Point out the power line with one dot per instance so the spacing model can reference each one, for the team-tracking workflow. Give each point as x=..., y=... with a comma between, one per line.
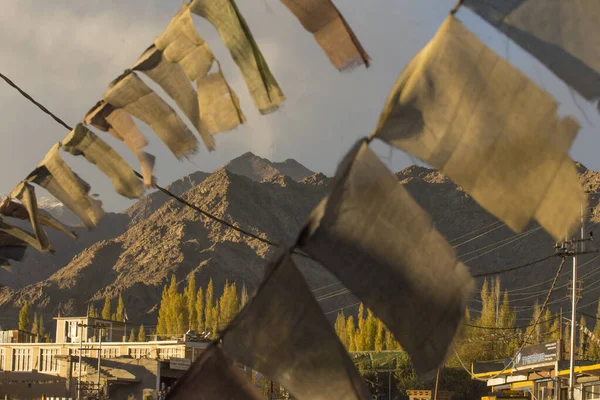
x=502, y=271
x=165, y=191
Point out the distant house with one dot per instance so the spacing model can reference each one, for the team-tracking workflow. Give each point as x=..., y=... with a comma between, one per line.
x=17, y=336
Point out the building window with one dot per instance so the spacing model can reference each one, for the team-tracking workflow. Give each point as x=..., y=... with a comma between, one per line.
x=21, y=360
x=72, y=331
x=48, y=360
x=2, y=358
x=140, y=352
x=591, y=392
x=110, y=352
x=167, y=352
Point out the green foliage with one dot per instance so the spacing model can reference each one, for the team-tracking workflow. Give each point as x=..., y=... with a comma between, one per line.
x=229, y=305
x=208, y=306
x=582, y=348
x=24, y=317
x=244, y=296
x=35, y=328
x=196, y=309
x=141, y=337
x=92, y=312
x=120, y=313
x=131, y=336
x=189, y=295
x=106, y=310
x=594, y=347
x=340, y=329
x=200, y=310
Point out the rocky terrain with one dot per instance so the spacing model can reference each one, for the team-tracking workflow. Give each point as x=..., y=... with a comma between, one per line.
x=135, y=252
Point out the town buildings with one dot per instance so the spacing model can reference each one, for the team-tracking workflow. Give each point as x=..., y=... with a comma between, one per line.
x=109, y=364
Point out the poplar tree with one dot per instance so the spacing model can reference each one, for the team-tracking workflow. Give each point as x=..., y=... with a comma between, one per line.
x=351, y=332
x=594, y=348
x=244, y=296
x=370, y=334
x=228, y=304
x=141, y=337
x=200, y=310
x=380, y=339
x=120, y=314
x=189, y=295
x=163, y=311
x=132, y=336
x=92, y=312
x=214, y=320
x=106, y=310
x=41, y=328
x=35, y=328
x=208, y=306
x=24, y=317
x=583, y=339
x=340, y=328
x=360, y=340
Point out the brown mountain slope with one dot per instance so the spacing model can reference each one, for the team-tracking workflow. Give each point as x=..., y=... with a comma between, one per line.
x=37, y=267
x=175, y=239
x=178, y=240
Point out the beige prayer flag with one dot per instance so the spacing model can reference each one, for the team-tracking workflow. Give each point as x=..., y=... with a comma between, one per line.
x=373, y=236
x=213, y=377
x=22, y=236
x=82, y=142
x=283, y=333
x=332, y=32
x=26, y=194
x=130, y=93
x=122, y=126
x=236, y=35
x=11, y=248
x=464, y=110
x=564, y=35
x=181, y=43
x=54, y=175
x=172, y=78
x=9, y=208
x=219, y=105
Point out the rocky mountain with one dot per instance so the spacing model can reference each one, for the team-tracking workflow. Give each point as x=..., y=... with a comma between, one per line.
x=257, y=168
x=158, y=237
x=58, y=211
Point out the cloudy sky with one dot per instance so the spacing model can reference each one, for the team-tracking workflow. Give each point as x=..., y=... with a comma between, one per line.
x=65, y=52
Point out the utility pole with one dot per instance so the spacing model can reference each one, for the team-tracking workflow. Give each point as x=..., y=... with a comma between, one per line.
x=80, y=353
x=99, y=357
x=437, y=381
x=574, y=308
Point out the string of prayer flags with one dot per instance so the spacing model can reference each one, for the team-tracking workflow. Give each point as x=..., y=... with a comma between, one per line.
x=219, y=105
x=213, y=377
x=54, y=175
x=331, y=31
x=121, y=125
x=295, y=345
x=82, y=142
x=466, y=111
x=369, y=225
x=563, y=35
x=131, y=94
x=235, y=33
x=172, y=78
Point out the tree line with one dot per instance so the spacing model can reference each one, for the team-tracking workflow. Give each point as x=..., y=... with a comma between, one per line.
x=197, y=308
x=36, y=326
